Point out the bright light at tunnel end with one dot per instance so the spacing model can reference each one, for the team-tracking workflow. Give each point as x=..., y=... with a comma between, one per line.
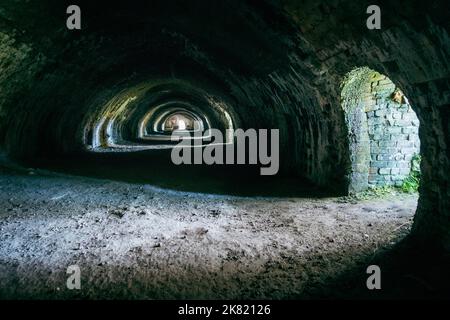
x=140, y=155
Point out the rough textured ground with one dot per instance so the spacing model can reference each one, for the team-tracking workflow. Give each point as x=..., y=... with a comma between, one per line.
x=138, y=241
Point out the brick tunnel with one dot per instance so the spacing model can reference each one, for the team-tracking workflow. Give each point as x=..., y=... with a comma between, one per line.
x=86, y=118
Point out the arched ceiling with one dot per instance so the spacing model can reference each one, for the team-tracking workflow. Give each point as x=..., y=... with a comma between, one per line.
x=275, y=64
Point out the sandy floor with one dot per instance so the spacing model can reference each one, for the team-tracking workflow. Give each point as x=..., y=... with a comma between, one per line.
x=138, y=241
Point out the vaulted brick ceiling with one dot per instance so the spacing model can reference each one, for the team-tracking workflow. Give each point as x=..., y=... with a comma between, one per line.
x=275, y=64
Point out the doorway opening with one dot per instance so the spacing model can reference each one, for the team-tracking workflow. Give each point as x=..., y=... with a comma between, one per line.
x=383, y=132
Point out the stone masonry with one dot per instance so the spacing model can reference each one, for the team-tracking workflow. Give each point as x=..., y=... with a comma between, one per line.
x=393, y=132
x=383, y=130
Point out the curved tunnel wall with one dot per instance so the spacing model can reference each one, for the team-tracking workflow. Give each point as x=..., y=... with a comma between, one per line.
x=278, y=64
x=254, y=76
x=413, y=50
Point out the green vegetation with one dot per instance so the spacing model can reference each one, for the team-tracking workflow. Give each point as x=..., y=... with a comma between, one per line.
x=371, y=193
x=411, y=183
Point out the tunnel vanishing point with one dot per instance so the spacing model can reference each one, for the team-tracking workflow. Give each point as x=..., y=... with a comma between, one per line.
x=347, y=101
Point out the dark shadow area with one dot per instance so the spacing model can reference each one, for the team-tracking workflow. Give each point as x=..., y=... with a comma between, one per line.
x=239, y=64
x=155, y=167
x=409, y=270
x=202, y=263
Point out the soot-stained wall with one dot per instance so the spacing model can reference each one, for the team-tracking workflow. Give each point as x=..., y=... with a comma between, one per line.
x=279, y=64
x=247, y=59
x=412, y=48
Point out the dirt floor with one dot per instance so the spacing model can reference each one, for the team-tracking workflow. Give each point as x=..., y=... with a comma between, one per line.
x=139, y=241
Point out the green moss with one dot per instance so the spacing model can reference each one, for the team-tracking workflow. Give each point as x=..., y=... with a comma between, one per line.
x=411, y=183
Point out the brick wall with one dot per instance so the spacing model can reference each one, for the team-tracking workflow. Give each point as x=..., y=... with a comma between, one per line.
x=393, y=132
x=383, y=133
